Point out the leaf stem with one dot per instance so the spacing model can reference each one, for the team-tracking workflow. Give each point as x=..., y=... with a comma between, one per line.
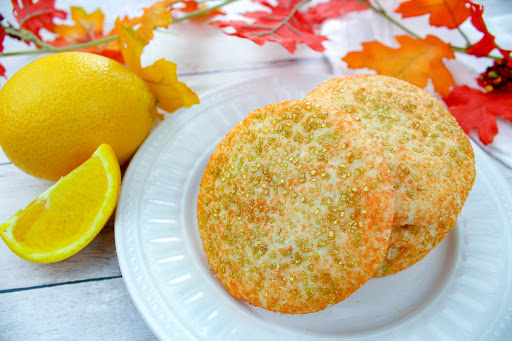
x=49, y=48
x=26, y=35
x=383, y=13
x=202, y=11
x=468, y=42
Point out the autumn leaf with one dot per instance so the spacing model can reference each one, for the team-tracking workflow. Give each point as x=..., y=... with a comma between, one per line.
x=478, y=110
x=415, y=61
x=284, y=24
x=36, y=15
x=447, y=13
x=157, y=15
x=487, y=43
x=333, y=9
x=130, y=47
x=161, y=76
x=87, y=27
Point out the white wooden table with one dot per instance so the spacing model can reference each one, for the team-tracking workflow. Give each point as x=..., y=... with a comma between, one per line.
x=84, y=297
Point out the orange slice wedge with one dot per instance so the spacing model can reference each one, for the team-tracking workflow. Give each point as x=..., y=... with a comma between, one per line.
x=67, y=216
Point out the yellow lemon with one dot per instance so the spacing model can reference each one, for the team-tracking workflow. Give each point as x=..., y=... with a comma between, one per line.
x=67, y=216
x=57, y=110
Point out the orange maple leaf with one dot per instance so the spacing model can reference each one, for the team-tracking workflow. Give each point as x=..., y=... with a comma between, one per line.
x=157, y=15
x=415, y=61
x=448, y=13
x=87, y=27
x=161, y=76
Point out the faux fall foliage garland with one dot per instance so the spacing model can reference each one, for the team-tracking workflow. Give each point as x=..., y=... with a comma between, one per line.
x=287, y=22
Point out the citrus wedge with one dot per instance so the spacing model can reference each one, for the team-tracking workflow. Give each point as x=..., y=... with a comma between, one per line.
x=67, y=216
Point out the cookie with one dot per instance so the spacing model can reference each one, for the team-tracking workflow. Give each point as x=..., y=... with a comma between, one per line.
x=295, y=208
x=430, y=157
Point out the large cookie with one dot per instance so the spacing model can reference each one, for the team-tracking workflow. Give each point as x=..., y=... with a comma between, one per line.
x=429, y=155
x=295, y=208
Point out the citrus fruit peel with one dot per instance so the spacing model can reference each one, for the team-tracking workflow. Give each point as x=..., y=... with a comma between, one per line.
x=67, y=216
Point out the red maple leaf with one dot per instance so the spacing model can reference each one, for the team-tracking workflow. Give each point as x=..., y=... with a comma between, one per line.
x=448, y=13
x=484, y=46
x=284, y=24
x=333, y=9
x=34, y=16
x=2, y=36
x=478, y=110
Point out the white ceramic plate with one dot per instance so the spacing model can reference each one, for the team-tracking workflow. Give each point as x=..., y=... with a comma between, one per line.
x=460, y=291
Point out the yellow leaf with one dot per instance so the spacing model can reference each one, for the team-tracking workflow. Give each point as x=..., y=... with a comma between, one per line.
x=130, y=46
x=157, y=15
x=161, y=76
x=172, y=94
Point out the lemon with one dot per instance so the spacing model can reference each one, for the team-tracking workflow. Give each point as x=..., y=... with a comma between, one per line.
x=67, y=216
x=57, y=110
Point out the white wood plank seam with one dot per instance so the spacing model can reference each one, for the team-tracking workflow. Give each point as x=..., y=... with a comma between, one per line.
x=258, y=66
x=7, y=291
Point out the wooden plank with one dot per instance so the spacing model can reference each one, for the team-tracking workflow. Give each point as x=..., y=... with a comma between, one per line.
x=96, y=310
x=96, y=260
